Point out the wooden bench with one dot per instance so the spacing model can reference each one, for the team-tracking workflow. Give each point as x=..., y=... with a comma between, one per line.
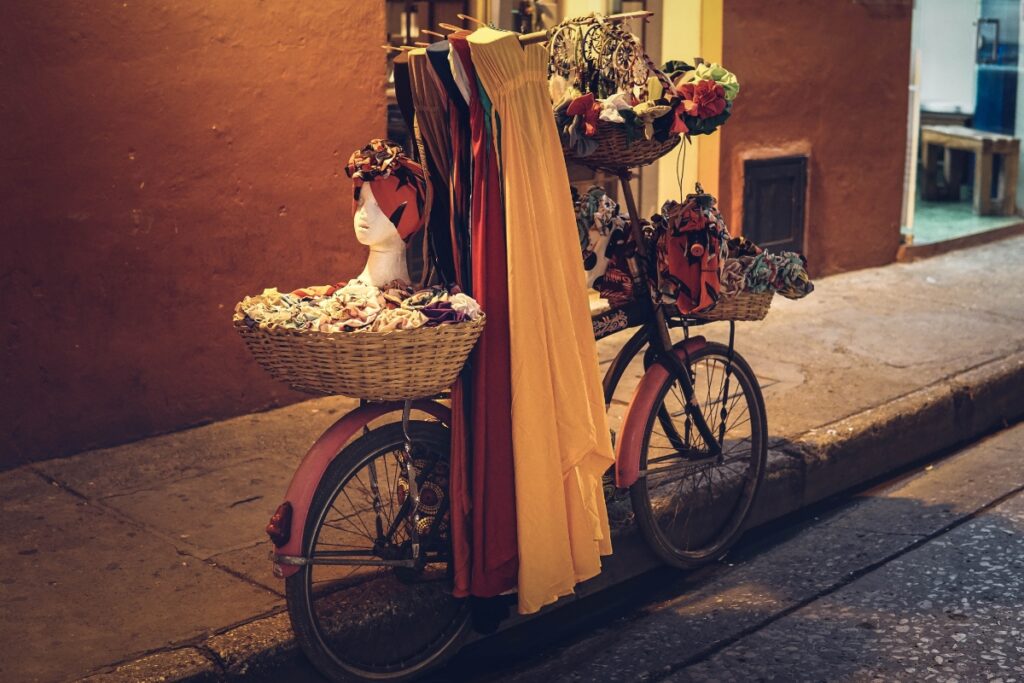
x=956, y=142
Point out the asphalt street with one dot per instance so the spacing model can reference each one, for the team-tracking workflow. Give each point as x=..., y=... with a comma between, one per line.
x=918, y=578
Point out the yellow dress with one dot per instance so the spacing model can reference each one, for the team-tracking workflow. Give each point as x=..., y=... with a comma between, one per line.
x=561, y=444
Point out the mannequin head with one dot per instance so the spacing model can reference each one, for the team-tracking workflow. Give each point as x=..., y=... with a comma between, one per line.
x=388, y=197
x=373, y=228
x=399, y=188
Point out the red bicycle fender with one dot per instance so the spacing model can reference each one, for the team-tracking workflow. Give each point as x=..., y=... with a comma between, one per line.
x=311, y=470
x=631, y=439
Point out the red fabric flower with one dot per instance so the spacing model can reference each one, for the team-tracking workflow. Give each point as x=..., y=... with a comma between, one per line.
x=585, y=106
x=679, y=126
x=703, y=99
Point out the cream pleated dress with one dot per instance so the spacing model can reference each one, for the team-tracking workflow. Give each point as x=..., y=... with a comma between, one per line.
x=560, y=438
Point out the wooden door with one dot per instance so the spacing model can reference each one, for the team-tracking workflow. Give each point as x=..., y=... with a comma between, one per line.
x=774, y=192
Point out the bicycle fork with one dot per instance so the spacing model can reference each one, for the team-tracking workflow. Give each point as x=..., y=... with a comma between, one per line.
x=659, y=339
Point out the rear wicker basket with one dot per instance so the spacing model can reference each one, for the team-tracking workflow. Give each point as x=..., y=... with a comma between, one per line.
x=741, y=306
x=615, y=151
x=377, y=366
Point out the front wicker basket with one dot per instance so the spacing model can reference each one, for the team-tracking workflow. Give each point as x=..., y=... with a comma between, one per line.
x=616, y=151
x=376, y=366
x=741, y=306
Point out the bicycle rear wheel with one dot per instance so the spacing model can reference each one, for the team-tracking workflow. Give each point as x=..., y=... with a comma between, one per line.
x=691, y=506
x=362, y=621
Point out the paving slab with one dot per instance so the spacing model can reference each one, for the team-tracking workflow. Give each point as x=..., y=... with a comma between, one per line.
x=219, y=510
x=820, y=556
x=87, y=587
x=252, y=563
x=950, y=610
x=284, y=434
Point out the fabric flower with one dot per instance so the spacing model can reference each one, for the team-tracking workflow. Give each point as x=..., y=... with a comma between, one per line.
x=718, y=74
x=423, y=298
x=647, y=112
x=393, y=319
x=465, y=304
x=655, y=89
x=589, y=111
x=703, y=99
x=612, y=106
x=356, y=307
x=679, y=126
x=440, y=312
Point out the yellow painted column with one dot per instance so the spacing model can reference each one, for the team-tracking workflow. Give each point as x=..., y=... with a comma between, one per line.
x=680, y=39
x=709, y=146
x=578, y=8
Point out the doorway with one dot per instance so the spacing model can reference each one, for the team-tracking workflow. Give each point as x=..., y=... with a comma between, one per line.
x=963, y=104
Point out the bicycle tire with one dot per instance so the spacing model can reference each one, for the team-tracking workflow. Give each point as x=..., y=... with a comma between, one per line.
x=345, y=657
x=657, y=515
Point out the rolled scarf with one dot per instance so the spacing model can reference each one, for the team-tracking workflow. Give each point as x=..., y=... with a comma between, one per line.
x=785, y=272
x=398, y=183
x=734, y=275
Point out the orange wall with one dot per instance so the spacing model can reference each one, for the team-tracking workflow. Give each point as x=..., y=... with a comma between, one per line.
x=828, y=79
x=159, y=161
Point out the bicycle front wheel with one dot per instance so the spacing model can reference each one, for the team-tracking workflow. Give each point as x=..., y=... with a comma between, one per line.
x=369, y=607
x=690, y=505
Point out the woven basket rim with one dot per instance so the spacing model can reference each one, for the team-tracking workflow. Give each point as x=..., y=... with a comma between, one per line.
x=635, y=153
x=356, y=334
x=744, y=292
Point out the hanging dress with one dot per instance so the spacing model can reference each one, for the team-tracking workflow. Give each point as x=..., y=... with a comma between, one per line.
x=560, y=437
x=431, y=107
x=495, y=553
x=432, y=127
x=459, y=175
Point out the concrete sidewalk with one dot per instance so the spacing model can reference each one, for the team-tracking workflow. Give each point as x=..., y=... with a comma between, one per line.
x=148, y=561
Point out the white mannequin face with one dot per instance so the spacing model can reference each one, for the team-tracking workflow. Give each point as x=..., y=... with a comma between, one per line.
x=372, y=227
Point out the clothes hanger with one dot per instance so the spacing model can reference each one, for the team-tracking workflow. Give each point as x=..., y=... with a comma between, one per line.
x=541, y=36
x=466, y=17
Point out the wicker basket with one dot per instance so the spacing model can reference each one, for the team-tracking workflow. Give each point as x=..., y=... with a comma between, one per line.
x=376, y=366
x=615, y=151
x=742, y=306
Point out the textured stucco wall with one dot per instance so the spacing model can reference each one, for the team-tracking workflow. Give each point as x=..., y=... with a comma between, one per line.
x=826, y=78
x=158, y=161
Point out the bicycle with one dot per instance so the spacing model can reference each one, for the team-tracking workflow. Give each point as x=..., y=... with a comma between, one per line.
x=363, y=532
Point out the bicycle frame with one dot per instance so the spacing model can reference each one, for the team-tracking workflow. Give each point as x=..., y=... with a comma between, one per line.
x=662, y=360
x=654, y=334
x=290, y=556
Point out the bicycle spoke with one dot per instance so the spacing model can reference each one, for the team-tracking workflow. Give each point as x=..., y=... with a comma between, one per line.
x=696, y=511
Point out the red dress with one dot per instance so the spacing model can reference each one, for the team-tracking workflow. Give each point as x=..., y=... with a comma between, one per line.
x=494, y=544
